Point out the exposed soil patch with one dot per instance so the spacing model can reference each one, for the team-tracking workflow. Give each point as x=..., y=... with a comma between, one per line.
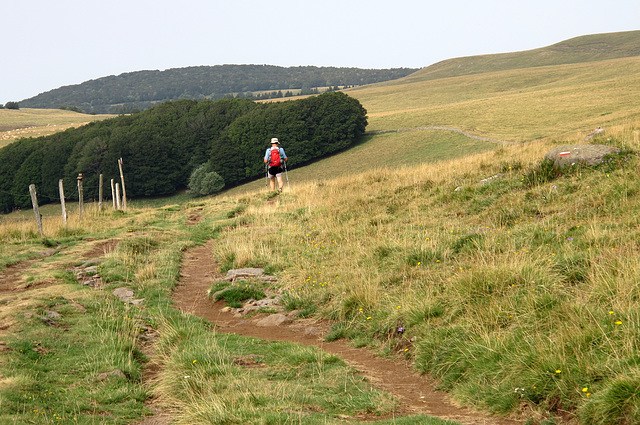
x=11, y=277
x=12, y=282
x=194, y=217
x=416, y=392
x=100, y=249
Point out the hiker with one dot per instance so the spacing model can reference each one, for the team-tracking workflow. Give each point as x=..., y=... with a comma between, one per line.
x=273, y=157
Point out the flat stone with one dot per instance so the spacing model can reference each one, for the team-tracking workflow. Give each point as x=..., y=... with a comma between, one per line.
x=123, y=293
x=105, y=375
x=277, y=319
x=90, y=270
x=53, y=315
x=92, y=262
x=246, y=272
x=580, y=153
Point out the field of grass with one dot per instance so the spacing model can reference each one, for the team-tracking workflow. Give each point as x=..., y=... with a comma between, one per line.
x=518, y=295
x=16, y=124
x=389, y=150
x=86, y=364
x=516, y=105
x=589, y=48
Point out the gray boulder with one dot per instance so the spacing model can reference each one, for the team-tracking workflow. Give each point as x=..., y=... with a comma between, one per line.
x=579, y=154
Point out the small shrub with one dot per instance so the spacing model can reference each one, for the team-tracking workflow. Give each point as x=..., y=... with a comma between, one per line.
x=235, y=296
x=545, y=172
x=423, y=256
x=204, y=181
x=307, y=305
x=338, y=331
x=239, y=209
x=470, y=242
x=617, y=403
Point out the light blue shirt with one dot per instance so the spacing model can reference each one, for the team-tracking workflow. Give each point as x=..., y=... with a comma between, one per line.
x=267, y=154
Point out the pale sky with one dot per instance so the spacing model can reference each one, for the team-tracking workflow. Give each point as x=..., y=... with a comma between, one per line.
x=47, y=44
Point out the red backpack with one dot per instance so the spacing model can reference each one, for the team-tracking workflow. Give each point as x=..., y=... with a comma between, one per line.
x=275, y=160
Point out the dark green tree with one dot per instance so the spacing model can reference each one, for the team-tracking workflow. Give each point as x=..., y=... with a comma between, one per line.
x=161, y=147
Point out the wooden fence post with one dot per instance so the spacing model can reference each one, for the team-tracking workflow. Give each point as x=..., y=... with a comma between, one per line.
x=36, y=210
x=80, y=195
x=100, y=193
x=124, y=191
x=118, y=196
x=113, y=194
x=62, y=202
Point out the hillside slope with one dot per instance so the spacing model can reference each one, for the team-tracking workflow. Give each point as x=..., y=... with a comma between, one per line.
x=142, y=89
x=588, y=48
x=25, y=122
x=514, y=104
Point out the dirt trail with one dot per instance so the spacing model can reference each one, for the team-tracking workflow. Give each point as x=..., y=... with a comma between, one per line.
x=416, y=392
x=12, y=277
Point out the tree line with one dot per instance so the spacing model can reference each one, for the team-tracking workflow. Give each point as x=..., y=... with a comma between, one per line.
x=139, y=90
x=161, y=146
x=10, y=105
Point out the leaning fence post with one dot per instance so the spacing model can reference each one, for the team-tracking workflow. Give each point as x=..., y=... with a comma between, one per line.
x=100, y=193
x=36, y=210
x=80, y=195
x=62, y=202
x=124, y=191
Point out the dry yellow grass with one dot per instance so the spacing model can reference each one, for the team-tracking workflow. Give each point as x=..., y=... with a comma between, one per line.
x=19, y=123
x=517, y=105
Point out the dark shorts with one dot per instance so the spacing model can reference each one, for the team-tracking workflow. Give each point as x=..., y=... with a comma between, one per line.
x=275, y=172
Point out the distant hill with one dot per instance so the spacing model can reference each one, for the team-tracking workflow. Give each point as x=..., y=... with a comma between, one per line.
x=139, y=90
x=572, y=86
x=588, y=48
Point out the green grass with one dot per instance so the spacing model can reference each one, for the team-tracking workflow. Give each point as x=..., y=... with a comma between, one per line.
x=206, y=373
x=514, y=104
x=52, y=374
x=87, y=365
x=234, y=296
x=389, y=150
x=585, y=49
x=515, y=294
x=518, y=295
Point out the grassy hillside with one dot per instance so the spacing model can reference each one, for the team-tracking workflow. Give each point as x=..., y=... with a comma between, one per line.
x=517, y=105
x=519, y=296
x=509, y=102
x=390, y=150
x=588, y=48
x=25, y=122
x=527, y=282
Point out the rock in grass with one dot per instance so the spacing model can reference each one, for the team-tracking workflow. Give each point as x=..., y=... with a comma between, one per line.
x=565, y=155
x=247, y=273
x=106, y=375
x=126, y=296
